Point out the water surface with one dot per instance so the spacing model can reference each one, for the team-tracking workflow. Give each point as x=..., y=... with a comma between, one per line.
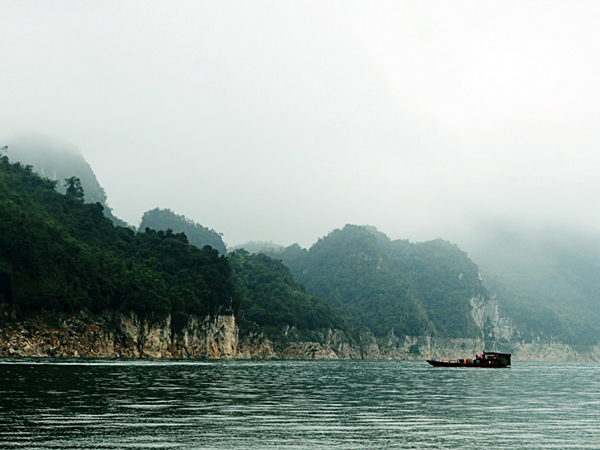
x=59, y=404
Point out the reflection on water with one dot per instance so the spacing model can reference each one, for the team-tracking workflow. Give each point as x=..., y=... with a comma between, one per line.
x=62, y=404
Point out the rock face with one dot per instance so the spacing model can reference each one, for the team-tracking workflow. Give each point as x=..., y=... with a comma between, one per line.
x=308, y=350
x=254, y=345
x=495, y=326
x=339, y=342
x=128, y=336
x=554, y=352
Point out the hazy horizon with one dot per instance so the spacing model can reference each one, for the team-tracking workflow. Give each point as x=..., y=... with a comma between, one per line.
x=271, y=121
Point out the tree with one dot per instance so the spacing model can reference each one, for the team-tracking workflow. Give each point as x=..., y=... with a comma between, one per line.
x=74, y=188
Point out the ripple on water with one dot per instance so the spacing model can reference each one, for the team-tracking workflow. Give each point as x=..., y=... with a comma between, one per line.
x=296, y=405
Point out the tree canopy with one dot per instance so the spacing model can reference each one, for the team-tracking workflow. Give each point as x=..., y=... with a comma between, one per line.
x=271, y=298
x=60, y=254
x=414, y=289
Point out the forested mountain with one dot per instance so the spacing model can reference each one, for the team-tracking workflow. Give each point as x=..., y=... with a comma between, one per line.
x=414, y=289
x=547, y=280
x=58, y=253
x=57, y=161
x=165, y=219
x=445, y=278
x=271, y=298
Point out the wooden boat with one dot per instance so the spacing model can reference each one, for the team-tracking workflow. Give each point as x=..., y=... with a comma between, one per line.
x=492, y=360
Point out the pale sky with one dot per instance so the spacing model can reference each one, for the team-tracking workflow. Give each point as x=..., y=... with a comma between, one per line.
x=271, y=120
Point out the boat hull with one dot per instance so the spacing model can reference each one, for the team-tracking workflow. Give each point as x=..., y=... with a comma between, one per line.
x=484, y=364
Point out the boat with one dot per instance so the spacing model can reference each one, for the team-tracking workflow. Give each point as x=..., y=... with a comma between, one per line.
x=492, y=360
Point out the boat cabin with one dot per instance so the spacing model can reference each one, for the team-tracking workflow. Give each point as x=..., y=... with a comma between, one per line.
x=497, y=358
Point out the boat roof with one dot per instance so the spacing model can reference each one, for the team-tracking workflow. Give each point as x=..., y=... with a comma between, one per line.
x=497, y=353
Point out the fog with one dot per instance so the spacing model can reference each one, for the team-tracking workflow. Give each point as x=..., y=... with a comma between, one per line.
x=282, y=121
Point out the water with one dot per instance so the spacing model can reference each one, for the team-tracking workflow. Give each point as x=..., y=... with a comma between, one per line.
x=58, y=404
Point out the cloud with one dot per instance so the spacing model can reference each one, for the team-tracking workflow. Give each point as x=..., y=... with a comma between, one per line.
x=282, y=121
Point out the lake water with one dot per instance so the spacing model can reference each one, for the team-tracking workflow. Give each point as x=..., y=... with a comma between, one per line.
x=58, y=404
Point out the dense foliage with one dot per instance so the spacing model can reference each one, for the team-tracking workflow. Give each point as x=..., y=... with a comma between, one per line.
x=350, y=271
x=271, y=298
x=414, y=289
x=199, y=236
x=445, y=278
x=58, y=253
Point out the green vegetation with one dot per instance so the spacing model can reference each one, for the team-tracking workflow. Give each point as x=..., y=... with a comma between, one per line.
x=74, y=188
x=271, y=298
x=350, y=271
x=199, y=236
x=60, y=254
x=445, y=278
x=414, y=289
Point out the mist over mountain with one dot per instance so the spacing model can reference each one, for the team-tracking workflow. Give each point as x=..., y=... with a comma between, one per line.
x=545, y=281
x=279, y=122
x=59, y=254
x=258, y=247
x=311, y=115
x=57, y=160
x=546, y=278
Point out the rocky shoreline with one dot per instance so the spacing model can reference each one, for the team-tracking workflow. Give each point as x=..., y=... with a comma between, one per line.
x=127, y=336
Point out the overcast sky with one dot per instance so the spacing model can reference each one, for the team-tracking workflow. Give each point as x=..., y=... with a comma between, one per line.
x=271, y=120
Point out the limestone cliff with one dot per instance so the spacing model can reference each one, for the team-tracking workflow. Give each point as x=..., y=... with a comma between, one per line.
x=128, y=336
x=498, y=333
x=428, y=347
x=494, y=325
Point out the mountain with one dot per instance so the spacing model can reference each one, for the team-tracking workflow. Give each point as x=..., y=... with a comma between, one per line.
x=59, y=254
x=546, y=279
x=57, y=161
x=445, y=278
x=385, y=285
x=270, y=297
x=165, y=219
x=258, y=247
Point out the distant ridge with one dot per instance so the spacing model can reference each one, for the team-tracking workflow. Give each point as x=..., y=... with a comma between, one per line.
x=547, y=279
x=199, y=236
